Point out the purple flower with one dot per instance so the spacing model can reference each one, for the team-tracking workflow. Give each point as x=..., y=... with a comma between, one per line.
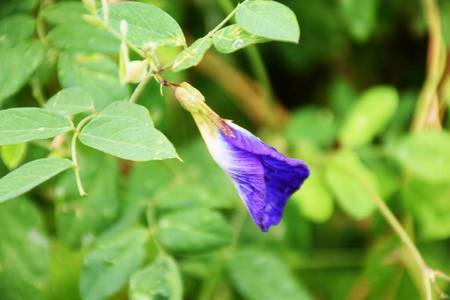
x=264, y=178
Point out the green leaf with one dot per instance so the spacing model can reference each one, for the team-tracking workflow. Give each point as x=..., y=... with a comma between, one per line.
x=269, y=19
x=370, y=115
x=260, y=275
x=233, y=38
x=24, y=251
x=81, y=219
x=191, y=56
x=127, y=138
x=194, y=194
x=95, y=73
x=314, y=198
x=127, y=109
x=109, y=265
x=13, y=155
x=9, y=7
x=146, y=23
x=160, y=280
x=427, y=155
x=193, y=230
x=430, y=206
x=16, y=28
x=70, y=101
x=360, y=17
x=62, y=283
x=19, y=125
x=313, y=124
x=84, y=37
x=63, y=13
x=18, y=63
x=30, y=175
x=347, y=178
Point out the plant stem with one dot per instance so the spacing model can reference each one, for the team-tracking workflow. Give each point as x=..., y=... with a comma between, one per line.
x=435, y=67
x=152, y=226
x=141, y=86
x=74, y=152
x=399, y=230
x=36, y=90
x=259, y=70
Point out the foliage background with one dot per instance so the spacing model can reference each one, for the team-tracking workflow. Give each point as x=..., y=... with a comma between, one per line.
x=179, y=228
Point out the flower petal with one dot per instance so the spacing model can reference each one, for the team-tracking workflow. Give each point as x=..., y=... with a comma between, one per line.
x=282, y=175
x=264, y=178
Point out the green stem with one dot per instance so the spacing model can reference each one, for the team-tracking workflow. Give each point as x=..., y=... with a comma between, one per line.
x=36, y=90
x=436, y=65
x=152, y=227
x=260, y=71
x=224, y=21
x=141, y=86
x=74, y=152
x=258, y=68
x=208, y=287
x=400, y=231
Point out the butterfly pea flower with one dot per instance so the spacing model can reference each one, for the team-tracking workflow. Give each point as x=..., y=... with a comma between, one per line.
x=264, y=178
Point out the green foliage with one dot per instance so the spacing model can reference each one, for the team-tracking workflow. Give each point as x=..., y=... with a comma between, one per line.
x=233, y=38
x=146, y=23
x=193, y=230
x=95, y=73
x=366, y=119
x=273, y=280
x=19, y=125
x=426, y=155
x=18, y=62
x=90, y=89
x=193, y=55
x=30, y=175
x=127, y=138
x=24, y=250
x=268, y=19
x=108, y=266
x=70, y=101
x=161, y=279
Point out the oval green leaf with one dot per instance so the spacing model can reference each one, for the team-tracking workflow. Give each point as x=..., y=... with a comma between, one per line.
x=83, y=37
x=346, y=176
x=427, y=155
x=16, y=28
x=24, y=251
x=259, y=275
x=19, y=125
x=96, y=73
x=12, y=155
x=109, y=265
x=314, y=198
x=127, y=109
x=233, y=38
x=193, y=231
x=160, y=280
x=146, y=23
x=70, y=101
x=192, y=56
x=269, y=19
x=127, y=138
x=18, y=63
x=30, y=175
x=370, y=115
x=63, y=12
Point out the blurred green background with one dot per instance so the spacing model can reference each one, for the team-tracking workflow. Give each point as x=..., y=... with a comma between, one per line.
x=347, y=100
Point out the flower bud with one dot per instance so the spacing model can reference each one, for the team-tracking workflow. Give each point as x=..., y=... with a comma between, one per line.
x=189, y=97
x=135, y=71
